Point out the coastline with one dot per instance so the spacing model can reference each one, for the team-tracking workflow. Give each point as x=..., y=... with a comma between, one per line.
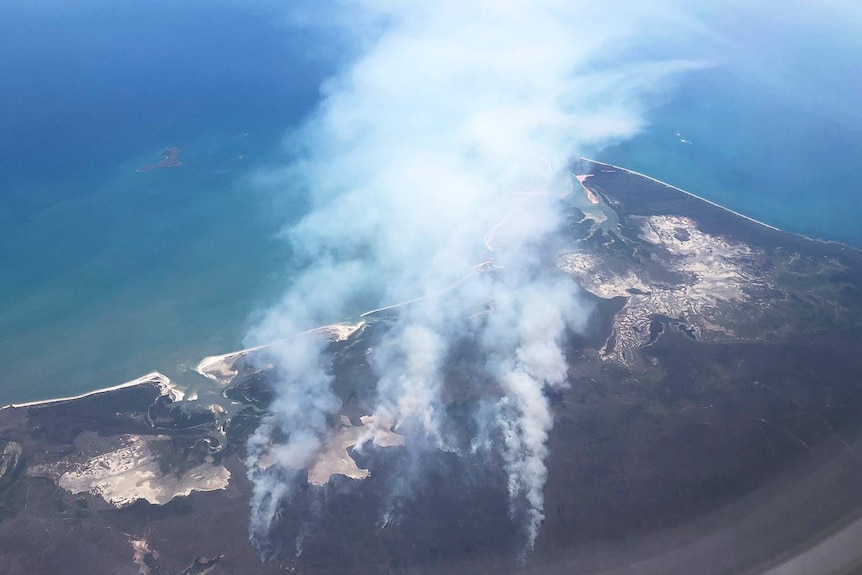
x=750, y=219
x=160, y=379
x=220, y=368
x=482, y=267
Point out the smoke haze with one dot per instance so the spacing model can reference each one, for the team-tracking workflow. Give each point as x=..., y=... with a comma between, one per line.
x=435, y=166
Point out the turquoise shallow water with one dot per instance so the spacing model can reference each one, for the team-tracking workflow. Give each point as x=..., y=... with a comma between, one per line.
x=108, y=273
x=146, y=271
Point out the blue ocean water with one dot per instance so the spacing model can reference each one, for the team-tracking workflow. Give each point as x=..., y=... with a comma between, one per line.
x=773, y=155
x=109, y=273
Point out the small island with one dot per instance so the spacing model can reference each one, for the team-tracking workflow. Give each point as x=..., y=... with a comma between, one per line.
x=171, y=160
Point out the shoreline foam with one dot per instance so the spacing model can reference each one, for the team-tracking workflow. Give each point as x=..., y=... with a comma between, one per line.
x=750, y=219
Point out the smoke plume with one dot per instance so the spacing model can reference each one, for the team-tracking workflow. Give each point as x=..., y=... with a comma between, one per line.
x=434, y=167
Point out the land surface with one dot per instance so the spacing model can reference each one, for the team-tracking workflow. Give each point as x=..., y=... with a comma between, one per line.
x=711, y=425
x=171, y=160
x=590, y=195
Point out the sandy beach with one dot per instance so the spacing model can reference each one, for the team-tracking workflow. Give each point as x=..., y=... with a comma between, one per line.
x=679, y=190
x=162, y=380
x=221, y=368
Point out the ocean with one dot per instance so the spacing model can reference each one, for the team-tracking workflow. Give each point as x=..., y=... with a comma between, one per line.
x=755, y=150
x=109, y=273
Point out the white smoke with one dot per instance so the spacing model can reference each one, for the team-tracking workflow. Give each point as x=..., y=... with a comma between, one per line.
x=437, y=155
x=299, y=414
x=536, y=315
